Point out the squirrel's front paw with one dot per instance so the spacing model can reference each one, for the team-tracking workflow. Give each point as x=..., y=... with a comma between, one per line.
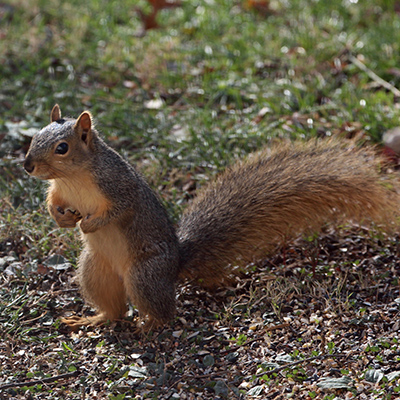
x=65, y=218
x=88, y=224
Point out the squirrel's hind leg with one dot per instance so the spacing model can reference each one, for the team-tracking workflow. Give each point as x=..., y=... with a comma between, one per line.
x=102, y=287
x=150, y=286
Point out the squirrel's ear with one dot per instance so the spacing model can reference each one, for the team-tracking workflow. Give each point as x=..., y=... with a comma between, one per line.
x=83, y=126
x=55, y=113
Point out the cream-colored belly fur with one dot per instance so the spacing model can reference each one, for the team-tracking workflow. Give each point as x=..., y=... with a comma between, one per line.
x=109, y=245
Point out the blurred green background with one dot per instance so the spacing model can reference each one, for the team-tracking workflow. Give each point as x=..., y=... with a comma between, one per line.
x=216, y=80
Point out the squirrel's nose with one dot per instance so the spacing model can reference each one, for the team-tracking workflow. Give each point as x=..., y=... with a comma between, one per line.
x=28, y=165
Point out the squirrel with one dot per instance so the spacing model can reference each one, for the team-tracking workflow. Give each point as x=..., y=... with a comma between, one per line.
x=133, y=253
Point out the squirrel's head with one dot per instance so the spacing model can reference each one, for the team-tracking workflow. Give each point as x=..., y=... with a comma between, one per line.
x=61, y=148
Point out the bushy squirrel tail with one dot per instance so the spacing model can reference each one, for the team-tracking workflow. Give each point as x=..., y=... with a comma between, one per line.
x=273, y=196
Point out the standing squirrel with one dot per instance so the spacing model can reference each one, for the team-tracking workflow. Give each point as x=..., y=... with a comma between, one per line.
x=131, y=250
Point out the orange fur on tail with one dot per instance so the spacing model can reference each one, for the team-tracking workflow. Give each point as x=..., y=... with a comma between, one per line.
x=277, y=194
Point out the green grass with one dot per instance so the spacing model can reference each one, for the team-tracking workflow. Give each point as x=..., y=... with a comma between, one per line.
x=215, y=66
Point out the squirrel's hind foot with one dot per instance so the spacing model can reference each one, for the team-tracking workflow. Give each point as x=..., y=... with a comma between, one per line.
x=142, y=326
x=145, y=326
x=75, y=322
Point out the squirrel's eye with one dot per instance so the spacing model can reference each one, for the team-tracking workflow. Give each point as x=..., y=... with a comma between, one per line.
x=62, y=148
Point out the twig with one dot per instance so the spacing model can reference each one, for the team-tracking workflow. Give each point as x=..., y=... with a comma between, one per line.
x=39, y=381
x=214, y=375
x=234, y=348
x=279, y=326
x=34, y=319
x=374, y=76
x=269, y=329
x=305, y=361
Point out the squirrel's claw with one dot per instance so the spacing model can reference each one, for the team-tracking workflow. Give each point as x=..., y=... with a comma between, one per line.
x=65, y=218
x=75, y=322
x=143, y=327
